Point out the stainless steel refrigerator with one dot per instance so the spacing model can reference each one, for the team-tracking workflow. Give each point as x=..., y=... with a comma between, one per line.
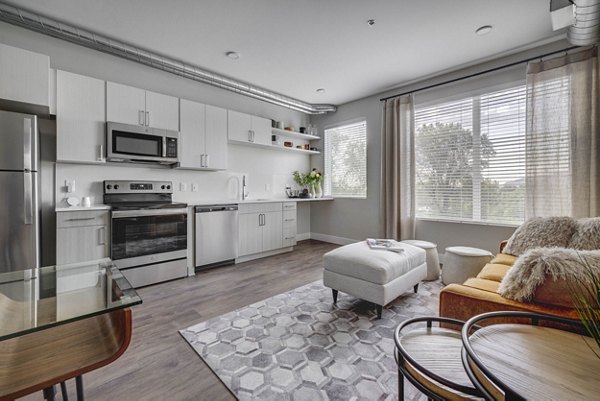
x=19, y=213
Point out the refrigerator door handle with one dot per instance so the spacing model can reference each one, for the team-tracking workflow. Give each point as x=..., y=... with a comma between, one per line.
x=28, y=197
x=27, y=134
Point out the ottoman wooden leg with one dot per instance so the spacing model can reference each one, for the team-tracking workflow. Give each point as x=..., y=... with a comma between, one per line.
x=334, y=292
x=416, y=287
x=379, y=311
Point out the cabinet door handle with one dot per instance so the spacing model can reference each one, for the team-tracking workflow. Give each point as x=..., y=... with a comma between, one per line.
x=82, y=219
x=290, y=237
x=289, y=220
x=102, y=236
x=101, y=153
x=141, y=117
x=259, y=219
x=147, y=118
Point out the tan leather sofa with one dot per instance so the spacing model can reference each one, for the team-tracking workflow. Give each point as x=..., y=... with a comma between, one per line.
x=478, y=295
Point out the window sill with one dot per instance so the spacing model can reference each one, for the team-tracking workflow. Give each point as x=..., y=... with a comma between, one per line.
x=475, y=223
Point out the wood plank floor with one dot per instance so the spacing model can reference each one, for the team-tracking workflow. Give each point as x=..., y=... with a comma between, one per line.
x=159, y=364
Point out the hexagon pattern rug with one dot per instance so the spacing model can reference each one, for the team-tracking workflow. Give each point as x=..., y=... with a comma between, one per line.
x=299, y=346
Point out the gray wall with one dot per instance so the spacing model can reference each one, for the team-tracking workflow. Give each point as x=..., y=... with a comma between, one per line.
x=356, y=219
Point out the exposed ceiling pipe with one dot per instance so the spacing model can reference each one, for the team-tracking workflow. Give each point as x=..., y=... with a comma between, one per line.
x=47, y=26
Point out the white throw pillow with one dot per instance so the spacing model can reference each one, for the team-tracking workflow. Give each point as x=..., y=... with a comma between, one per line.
x=541, y=232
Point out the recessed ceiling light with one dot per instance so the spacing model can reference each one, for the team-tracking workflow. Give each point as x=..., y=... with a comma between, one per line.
x=233, y=55
x=320, y=90
x=370, y=22
x=483, y=30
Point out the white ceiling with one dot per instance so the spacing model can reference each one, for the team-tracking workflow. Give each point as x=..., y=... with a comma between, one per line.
x=296, y=46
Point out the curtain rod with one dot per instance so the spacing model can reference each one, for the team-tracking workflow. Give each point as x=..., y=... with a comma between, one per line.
x=478, y=73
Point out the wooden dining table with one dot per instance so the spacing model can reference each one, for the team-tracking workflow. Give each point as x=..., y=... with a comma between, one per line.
x=59, y=322
x=531, y=361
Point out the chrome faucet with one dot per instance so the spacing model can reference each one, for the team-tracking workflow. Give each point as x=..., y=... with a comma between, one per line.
x=245, y=192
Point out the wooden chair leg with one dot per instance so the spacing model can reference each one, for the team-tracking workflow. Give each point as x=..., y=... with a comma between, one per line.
x=335, y=294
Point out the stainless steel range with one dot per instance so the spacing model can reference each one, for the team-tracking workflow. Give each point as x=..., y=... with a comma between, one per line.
x=149, y=231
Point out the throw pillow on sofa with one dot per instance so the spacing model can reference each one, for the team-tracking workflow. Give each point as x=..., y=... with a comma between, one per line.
x=552, y=268
x=540, y=232
x=587, y=234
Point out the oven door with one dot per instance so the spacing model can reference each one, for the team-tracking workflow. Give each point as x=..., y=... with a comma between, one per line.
x=141, y=237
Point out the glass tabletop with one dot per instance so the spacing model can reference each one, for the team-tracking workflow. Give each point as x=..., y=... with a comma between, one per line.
x=36, y=299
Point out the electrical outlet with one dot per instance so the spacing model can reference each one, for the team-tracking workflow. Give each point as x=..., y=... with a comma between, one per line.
x=182, y=186
x=194, y=187
x=70, y=186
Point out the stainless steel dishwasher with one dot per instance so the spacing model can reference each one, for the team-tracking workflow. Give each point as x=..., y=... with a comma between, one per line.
x=216, y=235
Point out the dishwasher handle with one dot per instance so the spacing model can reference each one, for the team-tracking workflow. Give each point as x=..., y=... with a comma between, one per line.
x=215, y=208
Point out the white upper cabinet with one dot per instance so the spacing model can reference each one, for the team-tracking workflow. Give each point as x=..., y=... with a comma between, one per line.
x=162, y=111
x=125, y=104
x=80, y=116
x=192, y=143
x=247, y=128
x=129, y=105
x=203, y=136
x=24, y=76
x=216, y=138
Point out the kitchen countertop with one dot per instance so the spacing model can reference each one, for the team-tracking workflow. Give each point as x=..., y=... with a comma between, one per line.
x=259, y=200
x=82, y=208
x=203, y=202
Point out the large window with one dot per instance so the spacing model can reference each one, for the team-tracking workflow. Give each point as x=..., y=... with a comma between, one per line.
x=346, y=160
x=470, y=157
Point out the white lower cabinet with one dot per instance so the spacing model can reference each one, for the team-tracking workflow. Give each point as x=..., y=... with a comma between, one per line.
x=81, y=236
x=289, y=224
x=260, y=227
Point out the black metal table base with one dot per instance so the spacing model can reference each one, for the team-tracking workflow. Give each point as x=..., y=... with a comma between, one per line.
x=50, y=392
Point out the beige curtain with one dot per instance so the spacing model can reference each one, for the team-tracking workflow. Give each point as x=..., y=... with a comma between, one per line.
x=398, y=167
x=562, y=143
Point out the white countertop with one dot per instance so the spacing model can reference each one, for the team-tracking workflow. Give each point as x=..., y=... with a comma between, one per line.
x=259, y=200
x=203, y=202
x=82, y=208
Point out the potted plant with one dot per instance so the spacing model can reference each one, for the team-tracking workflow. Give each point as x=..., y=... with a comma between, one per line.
x=586, y=298
x=311, y=182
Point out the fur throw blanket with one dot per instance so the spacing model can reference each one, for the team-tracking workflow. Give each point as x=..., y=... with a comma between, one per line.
x=531, y=269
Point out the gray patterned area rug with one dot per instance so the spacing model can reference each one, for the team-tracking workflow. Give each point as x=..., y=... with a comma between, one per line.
x=299, y=346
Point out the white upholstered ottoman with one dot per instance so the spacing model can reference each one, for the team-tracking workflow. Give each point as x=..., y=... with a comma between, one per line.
x=375, y=275
x=462, y=262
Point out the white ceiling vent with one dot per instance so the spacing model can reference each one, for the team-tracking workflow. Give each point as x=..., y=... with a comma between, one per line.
x=580, y=17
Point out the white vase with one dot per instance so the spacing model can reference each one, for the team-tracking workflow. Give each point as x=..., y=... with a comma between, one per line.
x=318, y=190
x=311, y=191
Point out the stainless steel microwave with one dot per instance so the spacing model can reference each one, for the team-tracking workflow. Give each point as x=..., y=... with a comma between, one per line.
x=138, y=144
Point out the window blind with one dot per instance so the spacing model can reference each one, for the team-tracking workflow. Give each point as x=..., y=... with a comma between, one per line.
x=346, y=160
x=470, y=157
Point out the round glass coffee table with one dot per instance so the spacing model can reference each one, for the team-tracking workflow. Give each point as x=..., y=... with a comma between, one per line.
x=528, y=360
x=429, y=357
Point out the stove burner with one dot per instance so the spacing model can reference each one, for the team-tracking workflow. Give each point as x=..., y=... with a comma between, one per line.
x=146, y=205
x=140, y=195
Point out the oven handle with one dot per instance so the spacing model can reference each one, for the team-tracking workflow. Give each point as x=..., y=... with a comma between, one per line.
x=116, y=214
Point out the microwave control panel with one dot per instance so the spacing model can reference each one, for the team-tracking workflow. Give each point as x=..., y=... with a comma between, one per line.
x=171, y=147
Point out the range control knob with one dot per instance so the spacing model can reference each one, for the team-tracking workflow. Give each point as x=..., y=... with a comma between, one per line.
x=162, y=187
x=168, y=187
x=109, y=186
x=116, y=186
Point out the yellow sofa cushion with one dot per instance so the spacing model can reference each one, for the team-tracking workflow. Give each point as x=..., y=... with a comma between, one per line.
x=504, y=259
x=493, y=271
